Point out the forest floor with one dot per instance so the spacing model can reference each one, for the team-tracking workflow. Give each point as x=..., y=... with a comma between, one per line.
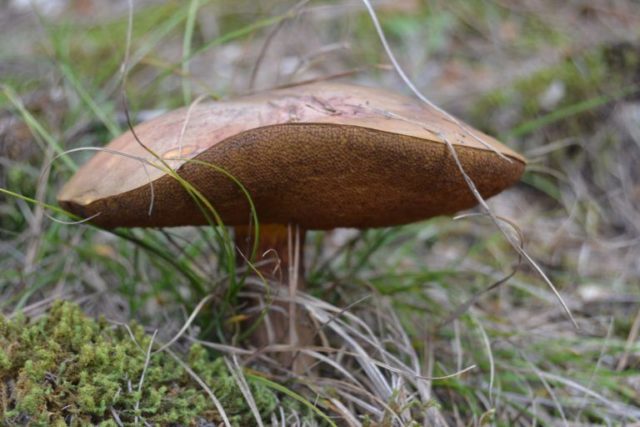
x=419, y=335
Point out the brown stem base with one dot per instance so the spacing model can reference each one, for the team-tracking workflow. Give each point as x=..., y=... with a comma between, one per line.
x=279, y=259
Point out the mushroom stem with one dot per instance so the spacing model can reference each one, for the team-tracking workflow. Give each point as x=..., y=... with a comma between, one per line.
x=280, y=259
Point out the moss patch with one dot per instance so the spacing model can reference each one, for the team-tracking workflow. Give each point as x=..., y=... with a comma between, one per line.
x=68, y=369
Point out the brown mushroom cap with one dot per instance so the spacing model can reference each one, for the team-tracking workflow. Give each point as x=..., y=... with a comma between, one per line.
x=322, y=155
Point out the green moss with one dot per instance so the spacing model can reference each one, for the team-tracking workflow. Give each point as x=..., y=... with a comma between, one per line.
x=67, y=368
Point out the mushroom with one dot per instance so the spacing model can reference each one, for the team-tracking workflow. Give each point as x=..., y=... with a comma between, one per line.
x=316, y=156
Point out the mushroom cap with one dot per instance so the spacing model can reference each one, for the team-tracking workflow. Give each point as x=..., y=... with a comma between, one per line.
x=322, y=155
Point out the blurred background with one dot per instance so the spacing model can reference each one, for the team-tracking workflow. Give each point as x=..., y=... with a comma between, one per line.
x=558, y=81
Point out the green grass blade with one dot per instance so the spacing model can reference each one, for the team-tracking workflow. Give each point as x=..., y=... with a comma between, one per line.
x=37, y=128
x=568, y=111
x=186, y=49
x=99, y=112
x=292, y=394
